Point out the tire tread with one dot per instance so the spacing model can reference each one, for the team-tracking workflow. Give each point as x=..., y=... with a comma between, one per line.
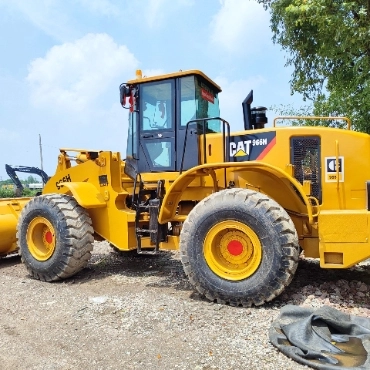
x=287, y=236
x=77, y=244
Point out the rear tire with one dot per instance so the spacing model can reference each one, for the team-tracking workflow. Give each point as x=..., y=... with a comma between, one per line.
x=55, y=237
x=239, y=247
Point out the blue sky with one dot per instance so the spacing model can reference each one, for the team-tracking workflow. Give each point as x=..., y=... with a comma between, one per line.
x=61, y=62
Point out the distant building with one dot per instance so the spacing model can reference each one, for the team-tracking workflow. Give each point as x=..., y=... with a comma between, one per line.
x=36, y=186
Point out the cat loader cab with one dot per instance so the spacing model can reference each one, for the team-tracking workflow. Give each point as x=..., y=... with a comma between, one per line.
x=165, y=112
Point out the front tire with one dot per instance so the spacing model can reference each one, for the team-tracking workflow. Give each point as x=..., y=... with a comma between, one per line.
x=55, y=237
x=239, y=247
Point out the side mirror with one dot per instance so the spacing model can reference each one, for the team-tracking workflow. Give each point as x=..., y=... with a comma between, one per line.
x=124, y=92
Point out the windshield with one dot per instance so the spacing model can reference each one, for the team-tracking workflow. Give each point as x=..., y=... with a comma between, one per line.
x=199, y=100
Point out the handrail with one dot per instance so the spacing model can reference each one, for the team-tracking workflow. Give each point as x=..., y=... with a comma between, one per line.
x=225, y=136
x=315, y=117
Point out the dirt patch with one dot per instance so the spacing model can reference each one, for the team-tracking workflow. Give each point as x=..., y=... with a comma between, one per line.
x=140, y=312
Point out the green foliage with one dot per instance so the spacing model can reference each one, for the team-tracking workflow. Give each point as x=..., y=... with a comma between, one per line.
x=328, y=44
x=31, y=180
x=29, y=192
x=288, y=110
x=305, y=111
x=7, y=193
x=6, y=182
x=10, y=192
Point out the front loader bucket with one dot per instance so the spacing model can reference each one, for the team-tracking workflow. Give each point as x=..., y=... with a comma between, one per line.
x=9, y=212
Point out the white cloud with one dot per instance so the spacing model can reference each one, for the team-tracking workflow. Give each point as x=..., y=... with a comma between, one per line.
x=74, y=74
x=48, y=15
x=232, y=95
x=240, y=25
x=59, y=19
x=154, y=12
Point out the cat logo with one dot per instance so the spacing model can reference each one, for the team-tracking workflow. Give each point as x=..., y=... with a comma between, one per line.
x=334, y=169
x=251, y=147
x=240, y=149
x=243, y=148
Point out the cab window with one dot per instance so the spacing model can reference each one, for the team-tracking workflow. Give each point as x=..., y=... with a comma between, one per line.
x=132, y=140
x=188, y=102
x=199, y=100
x=157, y=106
x=160, y=152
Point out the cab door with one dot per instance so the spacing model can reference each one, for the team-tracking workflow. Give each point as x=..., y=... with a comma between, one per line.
x=157, y=126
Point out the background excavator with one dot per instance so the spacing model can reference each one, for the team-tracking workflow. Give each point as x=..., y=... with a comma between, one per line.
x=12, y=173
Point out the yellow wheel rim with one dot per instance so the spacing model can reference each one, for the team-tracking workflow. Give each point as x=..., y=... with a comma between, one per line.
x=232, y=250
x=41, y=238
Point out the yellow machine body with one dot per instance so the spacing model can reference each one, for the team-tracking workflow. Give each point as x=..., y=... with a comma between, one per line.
x=332, y=224
x=336, y=231
x=10, y=209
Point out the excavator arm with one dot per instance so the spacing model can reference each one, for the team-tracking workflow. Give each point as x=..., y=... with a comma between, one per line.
x=11, y=171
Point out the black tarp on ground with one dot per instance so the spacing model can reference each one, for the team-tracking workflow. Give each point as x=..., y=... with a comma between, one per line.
x=322, y=338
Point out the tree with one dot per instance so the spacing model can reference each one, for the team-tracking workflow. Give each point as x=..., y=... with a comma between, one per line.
x=306, y=115
x=31, y=180
x=328, y=44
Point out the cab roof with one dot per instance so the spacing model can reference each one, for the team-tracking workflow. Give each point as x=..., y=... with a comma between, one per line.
x=190, y=72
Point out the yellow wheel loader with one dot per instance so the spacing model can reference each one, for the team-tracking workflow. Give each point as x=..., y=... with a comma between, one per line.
x=239, y=205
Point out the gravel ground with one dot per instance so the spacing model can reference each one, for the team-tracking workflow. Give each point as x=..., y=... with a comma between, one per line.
x=140, y=312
